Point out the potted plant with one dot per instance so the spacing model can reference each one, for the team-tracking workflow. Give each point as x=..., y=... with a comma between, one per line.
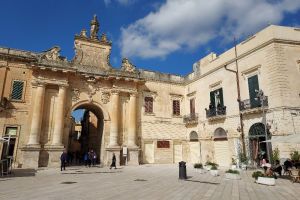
x=243, y=160
x=208, y=165
x=261, y=179
x=232, y=174
x=198, y=167
x=214, y=170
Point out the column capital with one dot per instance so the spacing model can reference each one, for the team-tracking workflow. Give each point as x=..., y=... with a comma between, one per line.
x=37, y=83
x=133, y=94
x=63, y=86
x=115, y=92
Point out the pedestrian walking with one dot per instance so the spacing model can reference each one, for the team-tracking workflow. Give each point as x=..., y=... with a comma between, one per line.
x=113, y=163
x=63, y=160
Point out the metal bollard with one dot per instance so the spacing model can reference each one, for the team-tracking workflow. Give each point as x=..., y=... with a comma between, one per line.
x=182, y=170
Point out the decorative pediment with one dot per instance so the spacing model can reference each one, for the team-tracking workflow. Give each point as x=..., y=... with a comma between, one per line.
x=53, y=54
x=127, y=66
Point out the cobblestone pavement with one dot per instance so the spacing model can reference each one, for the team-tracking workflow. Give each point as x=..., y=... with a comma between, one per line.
x=141, y=182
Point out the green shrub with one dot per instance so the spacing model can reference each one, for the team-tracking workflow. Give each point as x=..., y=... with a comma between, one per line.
x=214, y=167
x=211, y=163
x=243, y=158
x=257, y=174
x=198, y=165
x=295, y=156
x=275, y=155
x=233, y=171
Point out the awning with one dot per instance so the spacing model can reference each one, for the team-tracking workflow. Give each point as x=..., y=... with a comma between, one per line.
x=295, y=139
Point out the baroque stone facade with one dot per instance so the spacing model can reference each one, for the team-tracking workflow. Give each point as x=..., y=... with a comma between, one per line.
x=159, y=118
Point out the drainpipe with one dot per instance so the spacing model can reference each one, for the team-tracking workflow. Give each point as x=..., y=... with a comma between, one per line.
x=239, y=96
x=4, y=83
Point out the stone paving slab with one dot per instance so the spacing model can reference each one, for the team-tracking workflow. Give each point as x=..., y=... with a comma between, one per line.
x=140, y=182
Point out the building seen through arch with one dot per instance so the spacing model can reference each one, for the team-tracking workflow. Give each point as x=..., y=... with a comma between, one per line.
x=144, y=116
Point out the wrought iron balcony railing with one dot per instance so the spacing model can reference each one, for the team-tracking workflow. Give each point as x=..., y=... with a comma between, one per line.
x=247, y=105
x=213, y=112
x=192, y=118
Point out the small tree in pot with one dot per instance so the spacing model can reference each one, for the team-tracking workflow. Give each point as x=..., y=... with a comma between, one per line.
x=198, y=167
x=214, y=170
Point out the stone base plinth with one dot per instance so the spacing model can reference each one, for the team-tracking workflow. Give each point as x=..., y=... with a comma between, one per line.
x=110, y=151
x=31, y=156
x=54, y=155
x=133, y=156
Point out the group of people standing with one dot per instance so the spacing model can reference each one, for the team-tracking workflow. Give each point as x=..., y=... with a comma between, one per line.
x=90, y=158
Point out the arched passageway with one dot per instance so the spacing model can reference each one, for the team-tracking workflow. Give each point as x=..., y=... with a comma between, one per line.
x=87, y=135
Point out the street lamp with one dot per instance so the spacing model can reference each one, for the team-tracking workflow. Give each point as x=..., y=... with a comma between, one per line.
x=262, y=98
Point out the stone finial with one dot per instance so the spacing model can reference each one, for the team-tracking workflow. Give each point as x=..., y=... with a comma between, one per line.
x=127, y=65
x=103, y=38
x=94, y=28
x=83, y=33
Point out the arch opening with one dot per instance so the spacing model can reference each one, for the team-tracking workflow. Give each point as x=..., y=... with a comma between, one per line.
x=257, y=142
x=85, y=144
x=220, y=134
x=194, y=136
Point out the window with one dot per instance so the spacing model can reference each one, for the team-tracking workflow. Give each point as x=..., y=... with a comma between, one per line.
x=176, y=107
x=192, y=106
x=149, y=104
x=253, y=87
x=216, y=98
x=11, y=131
x=17, y=90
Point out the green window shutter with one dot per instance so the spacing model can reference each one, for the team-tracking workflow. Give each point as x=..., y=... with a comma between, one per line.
x=17, y=90
x=221, y=96
x=253, y=85
x=212, y=98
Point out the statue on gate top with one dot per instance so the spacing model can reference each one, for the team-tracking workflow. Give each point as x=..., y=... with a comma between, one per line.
x=94, y=28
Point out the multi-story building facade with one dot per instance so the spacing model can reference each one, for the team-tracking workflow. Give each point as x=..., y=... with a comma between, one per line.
x=212, y=114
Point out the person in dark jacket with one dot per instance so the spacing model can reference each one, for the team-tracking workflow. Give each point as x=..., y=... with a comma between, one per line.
x=63, y=160
x=113, y=163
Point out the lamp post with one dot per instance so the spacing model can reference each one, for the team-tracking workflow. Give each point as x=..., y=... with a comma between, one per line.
x=262, y=98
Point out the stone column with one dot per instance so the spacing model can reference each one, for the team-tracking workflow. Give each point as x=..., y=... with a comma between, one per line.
x=132, y=121
x=114, y=115
x=37, y=115
x=59, y=117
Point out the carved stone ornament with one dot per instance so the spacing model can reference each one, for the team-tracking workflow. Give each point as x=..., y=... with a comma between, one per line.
x=127, y=66
x=105, y=97
x=92, y=89
x=83, y=33
x=52, y=54
x=75, y=94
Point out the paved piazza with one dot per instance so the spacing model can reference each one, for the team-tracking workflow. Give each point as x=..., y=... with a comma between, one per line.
x=141, y=182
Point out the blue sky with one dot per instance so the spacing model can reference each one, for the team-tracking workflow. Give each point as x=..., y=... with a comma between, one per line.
x=160, y=35
x=167, y=36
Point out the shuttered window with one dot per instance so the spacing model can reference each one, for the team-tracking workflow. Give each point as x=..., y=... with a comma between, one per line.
x=148, y=104
x=253, y=86
x=176, y=107
x=192, y=106
x=17, y=90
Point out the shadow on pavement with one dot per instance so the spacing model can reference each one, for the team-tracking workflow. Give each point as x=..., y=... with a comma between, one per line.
x=213, y=183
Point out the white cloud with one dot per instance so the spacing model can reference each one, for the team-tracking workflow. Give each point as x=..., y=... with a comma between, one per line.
x=181, y=24
x=122, y=2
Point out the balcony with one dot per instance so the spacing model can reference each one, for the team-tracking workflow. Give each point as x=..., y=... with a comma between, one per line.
x=216, y=113
x=255, y=107
x=191, y=119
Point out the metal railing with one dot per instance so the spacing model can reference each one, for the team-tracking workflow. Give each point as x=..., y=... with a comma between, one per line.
x=191, y=118
x=212, y=112
x=246, y=104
